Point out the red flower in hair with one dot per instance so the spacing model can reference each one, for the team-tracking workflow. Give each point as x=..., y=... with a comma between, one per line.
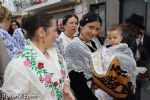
x=40, y=65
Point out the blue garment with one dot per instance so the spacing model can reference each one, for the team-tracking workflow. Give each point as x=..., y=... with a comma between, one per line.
x=9, y=43
x=18, y=38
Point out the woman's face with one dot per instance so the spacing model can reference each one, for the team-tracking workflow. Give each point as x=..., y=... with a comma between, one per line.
x=89, y=31
x=51, y=34
x=14, y=25
x=71, y=25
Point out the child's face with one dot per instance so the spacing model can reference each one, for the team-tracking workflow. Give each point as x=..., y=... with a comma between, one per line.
x=114, y=37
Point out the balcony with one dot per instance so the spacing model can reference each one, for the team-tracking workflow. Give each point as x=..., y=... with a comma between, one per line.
x=48, y=4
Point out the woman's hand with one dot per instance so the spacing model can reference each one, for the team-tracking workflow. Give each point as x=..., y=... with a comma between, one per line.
x=67, y=94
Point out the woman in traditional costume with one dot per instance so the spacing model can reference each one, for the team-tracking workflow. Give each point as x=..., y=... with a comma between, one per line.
x=77, y=56
x=38, y=72
x=70, y=23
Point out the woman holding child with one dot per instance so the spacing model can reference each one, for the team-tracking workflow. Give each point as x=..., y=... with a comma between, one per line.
x=77, y=56
x=115, y=63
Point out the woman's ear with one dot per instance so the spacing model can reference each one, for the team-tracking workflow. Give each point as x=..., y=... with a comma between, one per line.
x=41, y=32
x=5, y=20
x=80, y=28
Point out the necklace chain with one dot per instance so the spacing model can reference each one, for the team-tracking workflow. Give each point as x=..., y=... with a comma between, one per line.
x=68, y=35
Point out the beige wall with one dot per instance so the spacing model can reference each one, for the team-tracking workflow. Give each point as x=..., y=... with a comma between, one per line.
x=112, y=10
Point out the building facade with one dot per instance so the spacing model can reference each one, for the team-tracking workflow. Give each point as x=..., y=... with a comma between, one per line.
x=116, y=11
x=111, y=11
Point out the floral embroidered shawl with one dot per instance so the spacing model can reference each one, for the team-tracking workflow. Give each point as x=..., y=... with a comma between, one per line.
x=46, y=75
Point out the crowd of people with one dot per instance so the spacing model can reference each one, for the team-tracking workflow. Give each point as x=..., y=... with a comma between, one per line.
x=69, y=59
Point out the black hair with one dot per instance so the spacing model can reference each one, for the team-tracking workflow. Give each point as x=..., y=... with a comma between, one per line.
x=11, y=31
x=88, y=18
x=35, y=21
x=65, y=19
x=24, y=19
x=17, y=23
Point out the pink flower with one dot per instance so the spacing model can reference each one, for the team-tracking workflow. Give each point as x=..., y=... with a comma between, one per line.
x=26, y=63
x=47, y=79
x=63, y=73
x=40, y=65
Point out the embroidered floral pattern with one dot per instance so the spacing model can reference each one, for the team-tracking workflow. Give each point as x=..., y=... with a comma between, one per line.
x=63, y=73
x=26, y=63
x=47, y=79
x=40, y=65
x=44, y=76
x=41, y=80
x=55, y=84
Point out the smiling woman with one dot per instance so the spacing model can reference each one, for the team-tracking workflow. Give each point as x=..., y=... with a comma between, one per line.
x=77, y=56
x=39, y=69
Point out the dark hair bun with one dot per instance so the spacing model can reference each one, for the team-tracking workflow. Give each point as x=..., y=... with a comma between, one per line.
x=90, y=17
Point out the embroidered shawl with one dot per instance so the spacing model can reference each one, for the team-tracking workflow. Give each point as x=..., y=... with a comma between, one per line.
x=30, y=72
x=77, y=56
